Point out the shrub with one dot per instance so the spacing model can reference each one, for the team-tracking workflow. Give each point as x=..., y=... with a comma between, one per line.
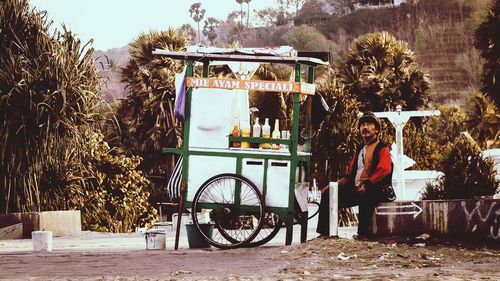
x=467, y=174
x=114, y=197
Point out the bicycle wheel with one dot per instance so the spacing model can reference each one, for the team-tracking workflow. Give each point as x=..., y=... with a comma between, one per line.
x=236, y=207
x=270, y=227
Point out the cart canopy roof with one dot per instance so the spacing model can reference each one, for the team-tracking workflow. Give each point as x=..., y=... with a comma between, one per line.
x=282, y=54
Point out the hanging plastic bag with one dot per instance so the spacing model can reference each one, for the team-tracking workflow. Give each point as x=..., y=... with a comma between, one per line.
x=180, y=92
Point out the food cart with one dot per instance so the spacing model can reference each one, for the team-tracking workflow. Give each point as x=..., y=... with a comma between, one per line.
x=248, y=193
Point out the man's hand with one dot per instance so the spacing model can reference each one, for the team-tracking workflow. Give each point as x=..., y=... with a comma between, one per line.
x=361, y=188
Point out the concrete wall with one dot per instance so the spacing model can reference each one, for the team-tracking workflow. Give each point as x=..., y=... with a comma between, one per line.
x=59, y=222
x=478, y=218
x=30, y=221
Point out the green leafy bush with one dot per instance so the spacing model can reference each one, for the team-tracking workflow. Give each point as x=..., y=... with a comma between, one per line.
x=114, y=197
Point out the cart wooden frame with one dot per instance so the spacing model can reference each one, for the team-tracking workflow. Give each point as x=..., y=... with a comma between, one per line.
x=295, y=158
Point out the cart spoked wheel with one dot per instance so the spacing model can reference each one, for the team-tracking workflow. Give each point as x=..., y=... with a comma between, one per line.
x=271, y=226
x=236, y=207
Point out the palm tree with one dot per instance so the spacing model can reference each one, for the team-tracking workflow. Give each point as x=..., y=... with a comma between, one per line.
x=248, y=11
x=197, y=14
x=273, y=105
x=382, y=72
x=241, y=10
x=210, y=29
x=483, y=120
x=189, y=31
x=147, y=114
x=487, y=40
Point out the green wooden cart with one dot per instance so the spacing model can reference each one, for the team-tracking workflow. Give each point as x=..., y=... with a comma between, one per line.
x=248, y=193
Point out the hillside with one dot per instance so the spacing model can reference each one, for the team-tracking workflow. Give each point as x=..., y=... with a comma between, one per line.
x=108, y=63
x=439, y=31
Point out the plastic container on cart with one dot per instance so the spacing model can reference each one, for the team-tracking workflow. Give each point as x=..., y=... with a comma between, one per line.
x=278, y=175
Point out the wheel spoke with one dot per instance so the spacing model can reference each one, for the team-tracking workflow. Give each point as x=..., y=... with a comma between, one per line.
x=236, y=224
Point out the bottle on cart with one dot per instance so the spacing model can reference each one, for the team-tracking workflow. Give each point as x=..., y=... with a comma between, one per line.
x=266, y=133
x=245, y=132
x=236, y=132
x=256, y=131
x=276, y=134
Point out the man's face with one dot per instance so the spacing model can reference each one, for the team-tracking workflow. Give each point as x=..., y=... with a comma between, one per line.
x=368, y=130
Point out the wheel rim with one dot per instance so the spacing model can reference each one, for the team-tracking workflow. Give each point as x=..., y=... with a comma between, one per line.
x=235, y=206
x=270, y=227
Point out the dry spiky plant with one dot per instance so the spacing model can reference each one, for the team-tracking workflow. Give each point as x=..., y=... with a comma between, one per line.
x=338, y=135
x=48, y=93
x=336, y=139
x=50, y=157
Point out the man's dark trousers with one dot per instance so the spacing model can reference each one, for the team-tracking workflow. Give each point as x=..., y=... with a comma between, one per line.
x=349, y=197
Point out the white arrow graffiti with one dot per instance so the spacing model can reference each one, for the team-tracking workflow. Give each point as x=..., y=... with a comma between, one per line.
x=415, y=212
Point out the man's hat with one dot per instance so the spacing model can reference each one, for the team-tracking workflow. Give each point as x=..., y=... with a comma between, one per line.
x=369, y=117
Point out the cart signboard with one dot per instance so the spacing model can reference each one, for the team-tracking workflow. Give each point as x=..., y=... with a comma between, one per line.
x=253, y=85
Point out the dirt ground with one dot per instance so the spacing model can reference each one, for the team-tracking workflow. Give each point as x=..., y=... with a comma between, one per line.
x=318, y=259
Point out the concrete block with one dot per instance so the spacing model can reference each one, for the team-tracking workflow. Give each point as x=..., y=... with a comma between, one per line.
x=14, y=231
x=42, y=241
x=30, y=221
x=61, y=222
x=473, y=218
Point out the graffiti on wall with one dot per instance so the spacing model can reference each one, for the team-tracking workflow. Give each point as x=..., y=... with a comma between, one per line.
x=483, y=221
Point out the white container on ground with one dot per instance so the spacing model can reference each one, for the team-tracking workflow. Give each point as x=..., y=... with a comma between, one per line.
x=156, y=239
x=42, y=241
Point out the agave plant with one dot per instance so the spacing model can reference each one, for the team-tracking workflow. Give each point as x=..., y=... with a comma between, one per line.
x=382, y=72
x=48, y=93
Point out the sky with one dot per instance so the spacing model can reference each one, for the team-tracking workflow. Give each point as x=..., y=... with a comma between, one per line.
x=115, y=23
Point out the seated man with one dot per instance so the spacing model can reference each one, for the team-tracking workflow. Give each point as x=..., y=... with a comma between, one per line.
x=369, y=170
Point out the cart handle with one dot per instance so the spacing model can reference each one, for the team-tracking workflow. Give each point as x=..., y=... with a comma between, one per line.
x=171, y=150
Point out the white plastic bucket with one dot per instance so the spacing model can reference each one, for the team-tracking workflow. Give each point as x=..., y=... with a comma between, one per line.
x=156, y=239
x=42, y=241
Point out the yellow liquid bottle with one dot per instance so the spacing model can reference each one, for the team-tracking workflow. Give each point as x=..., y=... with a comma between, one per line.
x=245, y=132
x=276, y=134
x=266, y=133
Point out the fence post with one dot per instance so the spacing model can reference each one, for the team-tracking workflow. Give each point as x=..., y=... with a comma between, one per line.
x=334, y=209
